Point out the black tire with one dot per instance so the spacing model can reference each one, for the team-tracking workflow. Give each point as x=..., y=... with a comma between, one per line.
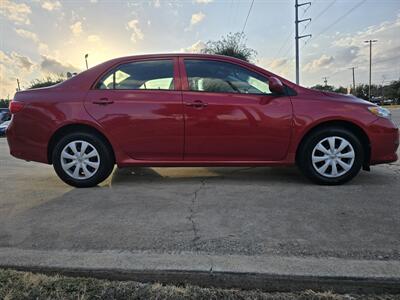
x=106, y=164
x=304, y=157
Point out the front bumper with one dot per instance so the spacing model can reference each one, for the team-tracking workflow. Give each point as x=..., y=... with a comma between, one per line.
x=384, y=138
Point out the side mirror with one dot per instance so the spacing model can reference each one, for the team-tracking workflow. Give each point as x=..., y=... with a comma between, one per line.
x=276, y=86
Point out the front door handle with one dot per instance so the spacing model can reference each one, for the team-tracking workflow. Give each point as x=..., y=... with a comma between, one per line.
x=196, y=104
x=103, y=101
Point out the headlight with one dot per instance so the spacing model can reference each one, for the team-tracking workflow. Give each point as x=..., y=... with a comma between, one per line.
x=380, y=112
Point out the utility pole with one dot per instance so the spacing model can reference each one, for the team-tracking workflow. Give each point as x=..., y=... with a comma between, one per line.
x=370, y=65
x=383, y=81
x=354, y=80
x=19, y=88
x=86, y=57
x=297, y=37
x=325, y=80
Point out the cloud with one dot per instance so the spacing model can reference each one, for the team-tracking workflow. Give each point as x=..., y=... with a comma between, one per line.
x=156, y=3
x=22, y=61
x=27, y=35
x=76, y=28
x=13, y=66
x=16, y=12
x=195, y=48
x=350, y=49
x=93, y=1
x=133, y=25
x=93, y=38
x=281, y=66
x=4, y=58
x=43, y=48
x=323, y=62
x=16, y=59
x=53, y=66
x=50, y=5
x=197, y=18
x=277, y=63
x=7, y=79
x=347, y=54
x=204, y=1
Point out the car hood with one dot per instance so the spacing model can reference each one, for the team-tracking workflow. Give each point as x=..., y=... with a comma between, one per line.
x=331, y=96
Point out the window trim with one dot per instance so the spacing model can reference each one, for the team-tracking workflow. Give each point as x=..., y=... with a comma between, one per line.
x=185, y=79
x=175, y=71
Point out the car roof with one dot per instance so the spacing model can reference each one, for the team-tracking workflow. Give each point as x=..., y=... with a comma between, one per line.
x=171, y=55
x=184, y=54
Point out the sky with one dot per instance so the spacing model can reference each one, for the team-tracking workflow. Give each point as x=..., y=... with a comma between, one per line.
x=40, y=38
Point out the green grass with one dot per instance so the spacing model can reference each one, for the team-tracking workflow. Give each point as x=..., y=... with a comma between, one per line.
x=25, y=285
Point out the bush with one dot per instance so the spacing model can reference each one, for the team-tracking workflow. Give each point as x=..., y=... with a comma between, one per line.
x=233, y=44
x=48, y=81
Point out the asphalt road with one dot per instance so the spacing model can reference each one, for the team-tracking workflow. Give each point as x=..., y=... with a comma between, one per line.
x=252, y=211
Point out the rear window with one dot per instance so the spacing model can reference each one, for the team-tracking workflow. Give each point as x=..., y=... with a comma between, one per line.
x=142, y=75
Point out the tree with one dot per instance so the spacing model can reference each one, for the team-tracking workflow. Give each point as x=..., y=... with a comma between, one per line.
x=340, y=90
x=233, y=44
x=4, y=103
x=330, y=88
x=48, y=81
x=327, y=88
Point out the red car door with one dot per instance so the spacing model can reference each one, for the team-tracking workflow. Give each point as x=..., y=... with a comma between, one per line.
x=230, y=114
x=139, y=103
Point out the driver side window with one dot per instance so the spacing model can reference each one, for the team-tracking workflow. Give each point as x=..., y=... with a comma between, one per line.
x=221, y=77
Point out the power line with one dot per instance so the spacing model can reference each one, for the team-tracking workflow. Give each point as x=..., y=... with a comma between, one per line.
x=386, y=59
x=247, y=17
x=324, y=10
x=340, y=18
x=284, y=44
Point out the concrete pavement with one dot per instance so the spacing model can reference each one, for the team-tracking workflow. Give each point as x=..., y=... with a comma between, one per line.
x=208, y=212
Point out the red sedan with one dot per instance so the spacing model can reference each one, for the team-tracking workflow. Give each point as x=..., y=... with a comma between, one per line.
x=195, y=110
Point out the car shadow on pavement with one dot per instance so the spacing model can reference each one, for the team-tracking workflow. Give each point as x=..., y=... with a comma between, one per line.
x=380, y=176
x=254, y=175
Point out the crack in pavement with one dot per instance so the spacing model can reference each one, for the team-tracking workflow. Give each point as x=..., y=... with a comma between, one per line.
x=192, y=211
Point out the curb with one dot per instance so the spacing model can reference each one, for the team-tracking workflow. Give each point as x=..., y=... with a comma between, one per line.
x=267, y=273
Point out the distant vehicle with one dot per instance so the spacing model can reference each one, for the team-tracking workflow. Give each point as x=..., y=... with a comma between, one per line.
x=5, y=115
x=3, y=127
x=388, y=101
x=377, y=101
x=195, y=110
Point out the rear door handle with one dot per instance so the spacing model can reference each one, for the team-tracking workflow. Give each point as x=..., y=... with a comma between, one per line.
x=103, y=101
x=196, y=104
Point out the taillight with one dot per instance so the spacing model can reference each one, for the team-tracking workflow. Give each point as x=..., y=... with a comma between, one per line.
x=16, y=106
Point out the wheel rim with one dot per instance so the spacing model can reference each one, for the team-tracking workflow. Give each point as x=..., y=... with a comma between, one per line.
x=80, y=159
x=333, y=157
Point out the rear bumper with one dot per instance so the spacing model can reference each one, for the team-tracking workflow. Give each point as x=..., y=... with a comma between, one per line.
x=23, y=146
x=384, y=138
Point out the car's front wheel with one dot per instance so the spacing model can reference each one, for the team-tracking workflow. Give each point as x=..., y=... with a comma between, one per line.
x=331, y=156
x=82, y=159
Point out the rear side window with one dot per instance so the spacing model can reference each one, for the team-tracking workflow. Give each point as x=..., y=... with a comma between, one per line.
x=142, y=75
x=222, y=77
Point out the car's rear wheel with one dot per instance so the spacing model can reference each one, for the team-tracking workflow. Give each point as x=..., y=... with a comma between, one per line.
x=82, y=159
x=332, y=155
